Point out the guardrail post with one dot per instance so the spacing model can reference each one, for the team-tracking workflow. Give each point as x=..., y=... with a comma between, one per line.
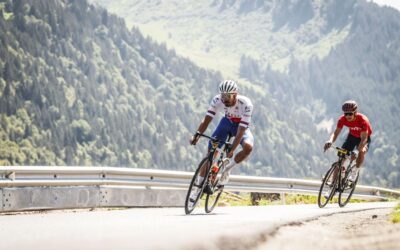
x=1, y=200
x=103, y=197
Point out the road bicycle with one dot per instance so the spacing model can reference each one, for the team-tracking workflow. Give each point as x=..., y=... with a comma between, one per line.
x=336, y=179
x=214, y=164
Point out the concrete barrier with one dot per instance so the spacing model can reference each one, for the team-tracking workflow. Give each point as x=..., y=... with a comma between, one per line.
x=38, y=198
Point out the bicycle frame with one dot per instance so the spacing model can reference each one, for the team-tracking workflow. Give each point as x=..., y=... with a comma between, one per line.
x=214, y=150
x=343, y=155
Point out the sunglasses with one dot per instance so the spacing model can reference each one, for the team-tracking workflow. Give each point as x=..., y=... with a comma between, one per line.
x=348, y=114
x=227, y=95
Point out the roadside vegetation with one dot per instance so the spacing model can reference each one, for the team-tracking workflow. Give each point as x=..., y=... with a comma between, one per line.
x=258, y=199
x=395, y=216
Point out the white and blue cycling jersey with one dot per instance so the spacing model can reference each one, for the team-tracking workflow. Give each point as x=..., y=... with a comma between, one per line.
x=235, y=116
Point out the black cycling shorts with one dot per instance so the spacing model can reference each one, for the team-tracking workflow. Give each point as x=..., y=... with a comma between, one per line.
x=352, y=141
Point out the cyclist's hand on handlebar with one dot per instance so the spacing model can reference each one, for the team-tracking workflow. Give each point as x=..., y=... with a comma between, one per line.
x=327, y=145
x=194, y=138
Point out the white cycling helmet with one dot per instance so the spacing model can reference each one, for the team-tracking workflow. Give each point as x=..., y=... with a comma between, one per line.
x=228, y=86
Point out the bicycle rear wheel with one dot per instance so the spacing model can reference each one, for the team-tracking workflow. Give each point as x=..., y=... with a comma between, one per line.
x=327, y=190
x=212, y=199
x=346, y=191
x=195, y=191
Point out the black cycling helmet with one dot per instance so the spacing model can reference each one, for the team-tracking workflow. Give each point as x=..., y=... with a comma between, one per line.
x=349, y=106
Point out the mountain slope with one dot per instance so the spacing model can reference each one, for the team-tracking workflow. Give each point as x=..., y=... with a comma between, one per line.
x=309, y=56
x=216, y=33
x=78, y=88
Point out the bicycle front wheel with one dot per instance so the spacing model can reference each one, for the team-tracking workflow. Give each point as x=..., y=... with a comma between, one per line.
x=195, y=190
x=327, y=189
x=347, y=190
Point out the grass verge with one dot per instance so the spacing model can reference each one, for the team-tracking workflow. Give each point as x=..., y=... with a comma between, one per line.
x=247, y=199
x=395, y=216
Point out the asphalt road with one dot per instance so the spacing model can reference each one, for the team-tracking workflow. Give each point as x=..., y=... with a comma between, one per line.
x=157, y=228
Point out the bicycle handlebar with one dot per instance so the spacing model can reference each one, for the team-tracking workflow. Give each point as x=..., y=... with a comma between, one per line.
x=215, y=139
x=342, y=150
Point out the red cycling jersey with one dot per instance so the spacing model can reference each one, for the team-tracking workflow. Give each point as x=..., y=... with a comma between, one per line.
x=360, y=124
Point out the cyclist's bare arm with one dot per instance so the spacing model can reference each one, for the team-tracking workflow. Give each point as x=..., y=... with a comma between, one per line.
x=335, y=134
x=332, y=138
x=202, y=127
x=204, y=124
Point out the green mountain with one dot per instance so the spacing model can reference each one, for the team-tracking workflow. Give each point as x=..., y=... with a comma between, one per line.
x=77, y=87
x=310, y=55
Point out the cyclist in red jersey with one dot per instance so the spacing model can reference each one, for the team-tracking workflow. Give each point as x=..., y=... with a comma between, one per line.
x=360, y=132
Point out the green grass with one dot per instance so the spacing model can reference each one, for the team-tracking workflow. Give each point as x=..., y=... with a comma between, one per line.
x=244, y=199
x=229, y=199
x=395, y=216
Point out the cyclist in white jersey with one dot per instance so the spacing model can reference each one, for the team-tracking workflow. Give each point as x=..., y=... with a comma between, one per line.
x=238, y=110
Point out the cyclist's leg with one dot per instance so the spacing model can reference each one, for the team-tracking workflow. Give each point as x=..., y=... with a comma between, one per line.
x=361, y=155
x=350, y=143
x=222, y=131
x=247, y=143
x=247, y=146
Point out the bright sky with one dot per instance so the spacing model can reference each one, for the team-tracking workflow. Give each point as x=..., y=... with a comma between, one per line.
x=392, y=3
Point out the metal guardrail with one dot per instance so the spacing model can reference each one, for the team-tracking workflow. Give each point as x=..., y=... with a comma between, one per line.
x=40, y=176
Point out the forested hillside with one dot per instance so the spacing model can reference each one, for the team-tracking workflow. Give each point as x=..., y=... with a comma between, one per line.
x=77, y=87
x=308, y=55
x=364, y=67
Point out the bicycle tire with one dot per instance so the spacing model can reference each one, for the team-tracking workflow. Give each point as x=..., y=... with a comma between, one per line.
x=332, y=188
x=342, y=189
x=190, y=205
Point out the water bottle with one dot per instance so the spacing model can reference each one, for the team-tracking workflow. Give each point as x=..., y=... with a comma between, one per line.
x=214, y=168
